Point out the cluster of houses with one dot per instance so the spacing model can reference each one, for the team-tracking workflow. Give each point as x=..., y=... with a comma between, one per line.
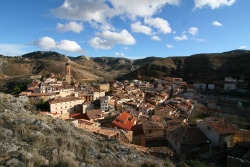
x=138, y=113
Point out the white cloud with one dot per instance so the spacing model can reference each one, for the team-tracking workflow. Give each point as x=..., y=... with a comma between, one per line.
x=169, y=46
x=102, y=11
x=70, y=46
x=181, y=38
x=138, y=27
x=193, y=30
x=216, y=23
x=119, y=54
x=198, y=39
x=159, y=23
x=48, y=43
x=107, y=39
x=126, y=48
x=213, y=4
x=243, y=47
x=141, y=8
x=91, y=10
x=12, y=49
x=71, y=26
x=156, y=38
x=99, y=43
x=124, y=37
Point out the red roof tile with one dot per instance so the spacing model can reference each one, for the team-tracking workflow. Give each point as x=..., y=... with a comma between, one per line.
x=124, y=121
x=221, y=127
x=78, y=116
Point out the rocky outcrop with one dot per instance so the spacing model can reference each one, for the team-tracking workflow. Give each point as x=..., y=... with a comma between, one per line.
x=28, y=138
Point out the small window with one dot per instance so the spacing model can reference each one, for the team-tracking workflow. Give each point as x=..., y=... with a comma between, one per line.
x=208, y=127
x=150, y=131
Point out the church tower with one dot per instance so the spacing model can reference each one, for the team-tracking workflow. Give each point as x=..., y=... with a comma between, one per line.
x=67, y=73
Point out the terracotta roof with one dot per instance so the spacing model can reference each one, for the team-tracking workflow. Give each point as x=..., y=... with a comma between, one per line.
x=77, y=116
x=41, y=94
x=147, y=124
x=155, y=118
x=146, y=106
x=48, y=113
x=64, y=99
x=86, y=122
x=222, y=127
x=135, y=113
x=24, y=93
x=32, y=88
x=177, y=132
x=193, y=135
x=124, y=121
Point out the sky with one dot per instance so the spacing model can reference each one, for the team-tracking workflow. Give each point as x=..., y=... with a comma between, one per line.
x=124, y=28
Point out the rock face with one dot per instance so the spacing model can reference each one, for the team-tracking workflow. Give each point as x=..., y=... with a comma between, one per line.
x=32, y=139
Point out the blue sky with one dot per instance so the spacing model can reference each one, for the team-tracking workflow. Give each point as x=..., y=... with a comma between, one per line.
x=124, y=28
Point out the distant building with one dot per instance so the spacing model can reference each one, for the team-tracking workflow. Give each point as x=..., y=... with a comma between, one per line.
x=200, y=85
x=211, y=86
x=124, y=121
x=187, y=140
x=219, y=133
x=66, y=105
x=103, y=87
x=67, y=73
x=229, y=84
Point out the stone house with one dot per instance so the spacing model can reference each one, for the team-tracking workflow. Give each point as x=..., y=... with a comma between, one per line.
x=146, y=108
x=187, y=140
x=98, y=94
x=94, y=115
x=219, y=133
x=66, y=105
x=165, y=112
x=124, y=121
x=152, y=128
x=86, y=106
x=230, y=84
x=104, y=102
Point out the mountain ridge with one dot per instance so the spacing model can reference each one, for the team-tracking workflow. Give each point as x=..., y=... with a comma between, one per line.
x=203, y=67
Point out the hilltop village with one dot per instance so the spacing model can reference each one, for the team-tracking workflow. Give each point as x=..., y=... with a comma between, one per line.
x=167, y=117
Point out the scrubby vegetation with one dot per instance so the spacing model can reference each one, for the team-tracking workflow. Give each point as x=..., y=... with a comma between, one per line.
x=29, y=138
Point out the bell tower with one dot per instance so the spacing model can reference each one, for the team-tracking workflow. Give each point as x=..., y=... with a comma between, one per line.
x=67, y=73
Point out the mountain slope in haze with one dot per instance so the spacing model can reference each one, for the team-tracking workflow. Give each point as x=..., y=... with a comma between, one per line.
x=203, y=67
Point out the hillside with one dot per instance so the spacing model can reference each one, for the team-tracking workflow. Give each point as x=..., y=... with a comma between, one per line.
x=13, y=69
x=203, y=67
x=28, y=138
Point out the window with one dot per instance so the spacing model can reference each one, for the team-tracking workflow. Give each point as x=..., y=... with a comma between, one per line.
x=208, y=127
x=149, y=131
